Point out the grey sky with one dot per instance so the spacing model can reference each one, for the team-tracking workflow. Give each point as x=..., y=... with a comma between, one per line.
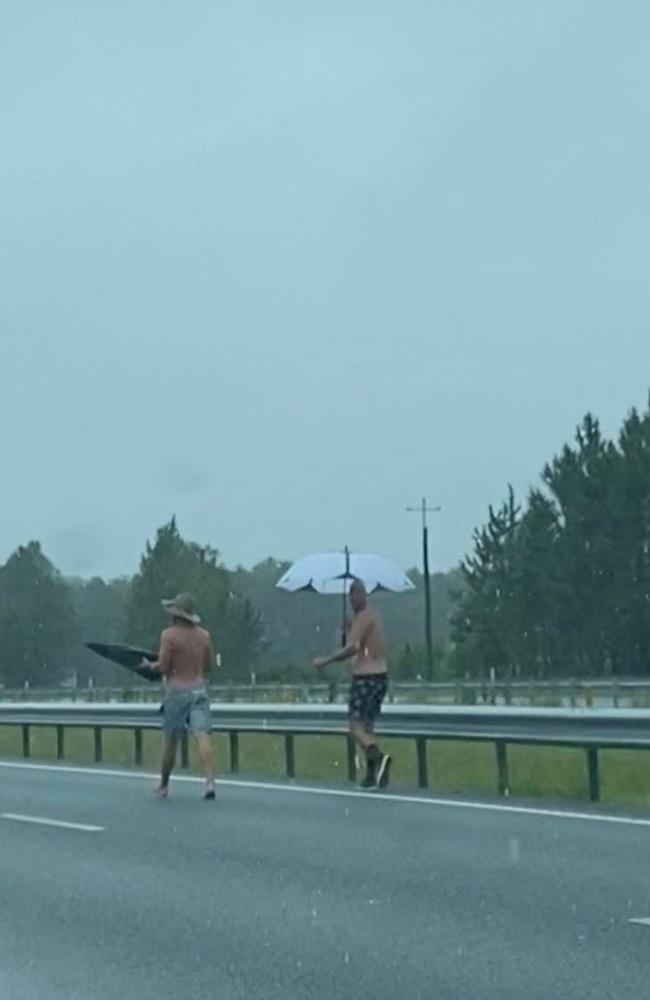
x=280, y=268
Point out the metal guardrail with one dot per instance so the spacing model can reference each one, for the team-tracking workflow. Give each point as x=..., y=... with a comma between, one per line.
x=586, y=692
x=588, y=730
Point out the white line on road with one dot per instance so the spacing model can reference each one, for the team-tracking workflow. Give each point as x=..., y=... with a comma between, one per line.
x=425, y=800
x=42, y=821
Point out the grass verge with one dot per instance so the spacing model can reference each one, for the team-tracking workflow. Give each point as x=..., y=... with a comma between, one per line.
x=454, y=766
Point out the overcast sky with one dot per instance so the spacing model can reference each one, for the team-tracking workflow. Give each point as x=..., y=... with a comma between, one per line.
x=282, y=267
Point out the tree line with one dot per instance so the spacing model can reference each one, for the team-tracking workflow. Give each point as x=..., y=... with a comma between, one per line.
x=559, y=584
x=555, y=585
x=45, y=618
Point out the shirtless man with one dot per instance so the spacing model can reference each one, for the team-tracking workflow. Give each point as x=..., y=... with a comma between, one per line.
x=184, y=660
x=369, y=683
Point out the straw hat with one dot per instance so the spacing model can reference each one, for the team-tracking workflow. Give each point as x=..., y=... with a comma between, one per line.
x=182, y=606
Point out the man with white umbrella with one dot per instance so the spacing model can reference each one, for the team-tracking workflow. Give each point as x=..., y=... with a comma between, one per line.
x=367, y=646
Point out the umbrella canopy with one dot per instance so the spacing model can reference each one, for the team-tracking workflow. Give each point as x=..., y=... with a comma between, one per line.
x=127, y=656
x=332, y=573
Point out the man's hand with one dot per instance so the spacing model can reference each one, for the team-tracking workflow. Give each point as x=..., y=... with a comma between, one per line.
x=320, y=662
x=147, y=664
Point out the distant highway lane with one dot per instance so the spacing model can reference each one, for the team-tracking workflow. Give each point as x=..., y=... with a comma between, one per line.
x=273, y=892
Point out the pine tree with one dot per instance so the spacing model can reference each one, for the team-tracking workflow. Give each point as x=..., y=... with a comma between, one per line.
x=631, y=597
x=100, y=609
x=482, y=621
x=38, y=628
x=173, y=565
x=582, y=484
x=564, y=589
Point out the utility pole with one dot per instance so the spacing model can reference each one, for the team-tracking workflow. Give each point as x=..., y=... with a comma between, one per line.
x=423, y=510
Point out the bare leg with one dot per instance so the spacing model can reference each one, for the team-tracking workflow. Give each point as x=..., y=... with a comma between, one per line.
x=362, y=734
x=167, y=764
x=360, y=759
x=377, y=762
x=206, y=754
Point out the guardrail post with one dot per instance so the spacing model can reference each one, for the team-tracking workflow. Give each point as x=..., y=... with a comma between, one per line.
x=234, y=752
x=594, y=778
x=26, y=747
x=60, y=743
x=137, y=747
x=502, y=768
x=185, y=752
x=99, y=749
x=351, y=759
x=423, y=770
x=289, y=753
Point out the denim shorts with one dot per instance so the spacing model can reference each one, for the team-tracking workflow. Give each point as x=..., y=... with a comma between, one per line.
x=186, y=708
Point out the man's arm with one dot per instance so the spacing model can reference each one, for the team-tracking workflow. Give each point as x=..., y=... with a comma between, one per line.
x=163, y=664
x=358, y=638
x=346, y=653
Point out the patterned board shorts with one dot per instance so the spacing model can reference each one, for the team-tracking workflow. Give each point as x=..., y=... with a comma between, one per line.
x=366, y=697
x=186, y=708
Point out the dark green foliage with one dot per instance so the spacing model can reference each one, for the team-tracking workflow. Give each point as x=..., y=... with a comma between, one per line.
x=409, y=663
x=557, y=586
x=38, y=627
x=100, y=608
x=256, y=628
x=298, y=627
x=172, y=565
x=563, y=587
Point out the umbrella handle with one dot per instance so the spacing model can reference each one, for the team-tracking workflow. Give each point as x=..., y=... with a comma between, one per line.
x=344, y=624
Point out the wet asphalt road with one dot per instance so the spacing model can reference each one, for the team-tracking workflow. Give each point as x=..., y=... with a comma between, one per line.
x=277, y=893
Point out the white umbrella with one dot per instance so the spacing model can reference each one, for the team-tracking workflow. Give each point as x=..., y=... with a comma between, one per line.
x=333, y=572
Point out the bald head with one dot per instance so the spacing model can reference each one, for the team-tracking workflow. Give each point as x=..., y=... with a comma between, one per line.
x=358, y=596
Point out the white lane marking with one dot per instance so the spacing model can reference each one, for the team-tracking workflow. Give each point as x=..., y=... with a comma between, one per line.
x=644, y=921
x=424, y=800
x=42, y=821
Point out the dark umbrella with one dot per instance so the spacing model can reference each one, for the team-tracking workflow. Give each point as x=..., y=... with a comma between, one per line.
x=127, y=656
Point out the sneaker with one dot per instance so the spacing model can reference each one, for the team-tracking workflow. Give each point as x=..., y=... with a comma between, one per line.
x=382, y=776
x=370, y=780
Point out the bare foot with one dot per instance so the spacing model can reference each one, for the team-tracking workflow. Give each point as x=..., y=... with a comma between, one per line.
x=162, y=792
